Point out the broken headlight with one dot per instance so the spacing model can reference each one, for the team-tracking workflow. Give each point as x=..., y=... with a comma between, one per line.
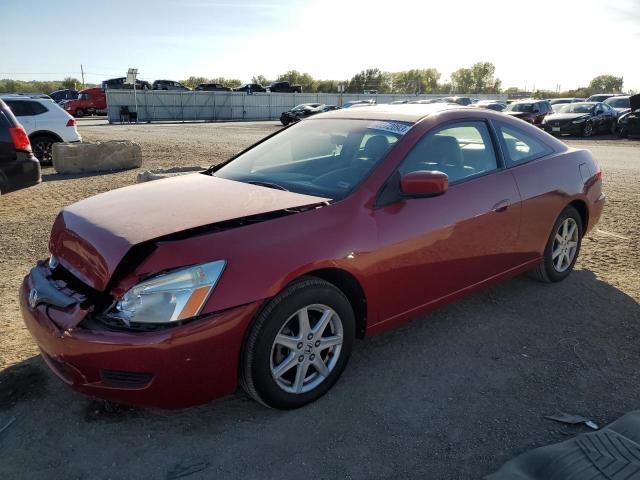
x=169, y=297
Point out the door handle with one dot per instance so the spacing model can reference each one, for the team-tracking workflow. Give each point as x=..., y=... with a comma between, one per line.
x=501, y=206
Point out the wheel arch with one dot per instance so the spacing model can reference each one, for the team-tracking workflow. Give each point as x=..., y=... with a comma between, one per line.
x=45, y=133
x=583, y=210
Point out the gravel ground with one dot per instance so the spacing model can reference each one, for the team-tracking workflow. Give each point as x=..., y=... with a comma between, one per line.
x=449, y=396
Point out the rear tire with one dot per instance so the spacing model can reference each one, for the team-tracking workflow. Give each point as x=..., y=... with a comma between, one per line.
x=562, y=249
x=287, y=361
x=42, y=146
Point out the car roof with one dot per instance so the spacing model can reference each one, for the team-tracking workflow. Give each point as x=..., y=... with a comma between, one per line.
x=403, y=112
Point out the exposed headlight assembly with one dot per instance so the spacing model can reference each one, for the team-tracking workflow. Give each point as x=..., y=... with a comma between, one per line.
x=579, y=120
x=170, y=297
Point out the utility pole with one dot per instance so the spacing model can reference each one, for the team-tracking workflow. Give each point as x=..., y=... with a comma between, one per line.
x=82, y=73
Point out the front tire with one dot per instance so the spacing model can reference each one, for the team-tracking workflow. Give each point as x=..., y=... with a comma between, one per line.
x=298, y=345
x=562, y=249
x=79, y=113
x=587, y=130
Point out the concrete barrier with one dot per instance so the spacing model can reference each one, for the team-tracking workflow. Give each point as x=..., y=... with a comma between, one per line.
x=96, y=157
x=160, y=173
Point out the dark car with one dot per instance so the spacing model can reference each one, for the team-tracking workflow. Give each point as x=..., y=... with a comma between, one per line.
x=250, y=88
x=601, y=97
x=629, y=123
x=490, y=104
x=532, y=111
x=354, y=103
x=582, y=118
x=263, y=270
x=284, y=87
x=60, y=96
x=18, y=166
x=119, y=83
x=464, y=101
x=212, y=87
x=168, y=85
x=620, y=103
x=556, y=101
x=305, y=110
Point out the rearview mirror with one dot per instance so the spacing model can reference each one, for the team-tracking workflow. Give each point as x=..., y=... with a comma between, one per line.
x=424, y=183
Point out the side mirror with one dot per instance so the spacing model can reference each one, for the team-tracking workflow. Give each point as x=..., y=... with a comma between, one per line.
x=424, y=183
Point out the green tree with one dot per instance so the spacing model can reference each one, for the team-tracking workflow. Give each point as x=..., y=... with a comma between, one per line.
x=193, y=82
x=70, y=82
x=606, y=84
x=261, y=79
x=370, y=79
x=462, y=80
x=416, y=81
x=227, y=82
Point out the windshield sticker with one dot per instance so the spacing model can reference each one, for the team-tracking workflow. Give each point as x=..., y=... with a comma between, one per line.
x=393, y=127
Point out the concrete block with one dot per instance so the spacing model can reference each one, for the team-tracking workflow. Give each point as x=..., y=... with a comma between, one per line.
x=96, y=157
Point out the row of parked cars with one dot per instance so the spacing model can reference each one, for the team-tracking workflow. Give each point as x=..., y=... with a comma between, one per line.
x=601, y=113
x=275, y=87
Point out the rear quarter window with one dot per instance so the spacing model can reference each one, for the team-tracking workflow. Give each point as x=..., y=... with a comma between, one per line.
x=20, y=108
x=519, y=147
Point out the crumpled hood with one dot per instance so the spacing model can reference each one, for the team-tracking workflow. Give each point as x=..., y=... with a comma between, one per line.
x=91, y=237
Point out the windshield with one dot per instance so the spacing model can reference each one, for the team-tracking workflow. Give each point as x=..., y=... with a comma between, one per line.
x=618, y=102
x=519, y=107
x=323, y=157
x=576, y=108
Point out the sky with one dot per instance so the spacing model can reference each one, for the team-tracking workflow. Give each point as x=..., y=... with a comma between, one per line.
x=538, y=44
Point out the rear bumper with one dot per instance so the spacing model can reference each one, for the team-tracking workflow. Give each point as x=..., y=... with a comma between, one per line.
x=172, y=368
x=24, y=172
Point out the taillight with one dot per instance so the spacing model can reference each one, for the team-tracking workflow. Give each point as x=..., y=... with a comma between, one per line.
x=20, y=138
x=71, y=122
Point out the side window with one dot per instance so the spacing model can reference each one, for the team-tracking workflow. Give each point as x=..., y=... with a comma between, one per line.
x=460, y=150
x=20, y=108
x=520, y=147
x=38, y=108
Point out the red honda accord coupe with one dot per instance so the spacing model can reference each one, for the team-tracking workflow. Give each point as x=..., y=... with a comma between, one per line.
x=264, y=269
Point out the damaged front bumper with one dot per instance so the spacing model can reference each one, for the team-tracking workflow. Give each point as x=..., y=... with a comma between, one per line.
x=169, y=368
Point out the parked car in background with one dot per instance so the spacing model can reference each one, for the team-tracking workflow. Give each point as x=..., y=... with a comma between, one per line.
x=60, y=96
x=582, y=118
x=212, y=87
x=619, y=103
x=532, y=111
x=629, y=123
x=118, y=83
x=251, y=88
x=601, y=97
x=45, y=123
x=344, y=225
x=284, y=87
x=168, y=85
x=354, y=103
x=19, y=168
x=303, y=111
x=464, y=101
x=490, y=104
x=556, y=101
x=92, y=101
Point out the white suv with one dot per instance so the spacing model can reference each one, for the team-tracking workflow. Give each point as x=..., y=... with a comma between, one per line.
x=45, y=123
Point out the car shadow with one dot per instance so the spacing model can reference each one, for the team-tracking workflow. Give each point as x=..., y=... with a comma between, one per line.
x=451, y=395
x=55, y=176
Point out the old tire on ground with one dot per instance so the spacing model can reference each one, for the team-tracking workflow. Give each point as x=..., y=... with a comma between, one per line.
x=562, y=249
x=42, y=146
x=298, y=345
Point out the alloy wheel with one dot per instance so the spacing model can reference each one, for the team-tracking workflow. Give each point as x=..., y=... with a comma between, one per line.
x=306, y=349
x=565, y=245
x=42, y=149
x=588, y=130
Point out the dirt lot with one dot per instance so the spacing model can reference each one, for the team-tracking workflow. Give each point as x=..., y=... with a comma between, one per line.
x=452, y=395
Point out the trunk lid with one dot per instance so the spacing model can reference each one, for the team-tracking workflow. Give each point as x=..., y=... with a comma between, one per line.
x=90, y=238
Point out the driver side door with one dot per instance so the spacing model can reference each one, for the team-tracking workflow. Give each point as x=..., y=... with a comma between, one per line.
x=434, y=248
